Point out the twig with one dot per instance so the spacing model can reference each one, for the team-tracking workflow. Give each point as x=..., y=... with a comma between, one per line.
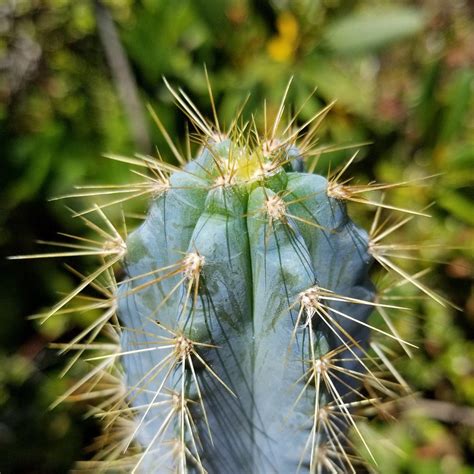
x=442, y=411
x=123, y=77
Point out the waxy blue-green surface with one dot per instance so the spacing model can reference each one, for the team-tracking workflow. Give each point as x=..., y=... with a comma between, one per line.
x=247, y=306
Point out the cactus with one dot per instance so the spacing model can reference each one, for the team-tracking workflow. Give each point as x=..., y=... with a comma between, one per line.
x=238, y=338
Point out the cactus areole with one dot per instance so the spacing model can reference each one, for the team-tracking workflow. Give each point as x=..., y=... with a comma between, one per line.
x=243, y=316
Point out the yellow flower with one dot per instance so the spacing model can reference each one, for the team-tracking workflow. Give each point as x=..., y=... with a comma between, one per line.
x=282, y=46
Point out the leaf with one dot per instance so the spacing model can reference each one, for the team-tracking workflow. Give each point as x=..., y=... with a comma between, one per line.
x=458, y=106
x=366, y=31
x=458, y=205
x=339, y=82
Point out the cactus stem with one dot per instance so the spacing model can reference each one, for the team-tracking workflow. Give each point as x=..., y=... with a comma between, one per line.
x=148, y=380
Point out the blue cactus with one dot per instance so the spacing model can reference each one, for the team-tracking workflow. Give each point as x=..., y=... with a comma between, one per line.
x=240, y=281
x=238, y=338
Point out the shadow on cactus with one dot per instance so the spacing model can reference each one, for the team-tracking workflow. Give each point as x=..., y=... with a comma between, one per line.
x=238, y=338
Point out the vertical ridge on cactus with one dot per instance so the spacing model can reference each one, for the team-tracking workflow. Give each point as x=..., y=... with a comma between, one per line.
x=238, y=339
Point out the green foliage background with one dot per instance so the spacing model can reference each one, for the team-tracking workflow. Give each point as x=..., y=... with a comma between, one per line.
x=402, y=73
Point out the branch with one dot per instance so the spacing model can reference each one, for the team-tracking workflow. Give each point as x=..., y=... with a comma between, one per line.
x=123, y=77
x=442, y=411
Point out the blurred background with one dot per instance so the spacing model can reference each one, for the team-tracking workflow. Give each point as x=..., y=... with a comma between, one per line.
x=75, y=76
